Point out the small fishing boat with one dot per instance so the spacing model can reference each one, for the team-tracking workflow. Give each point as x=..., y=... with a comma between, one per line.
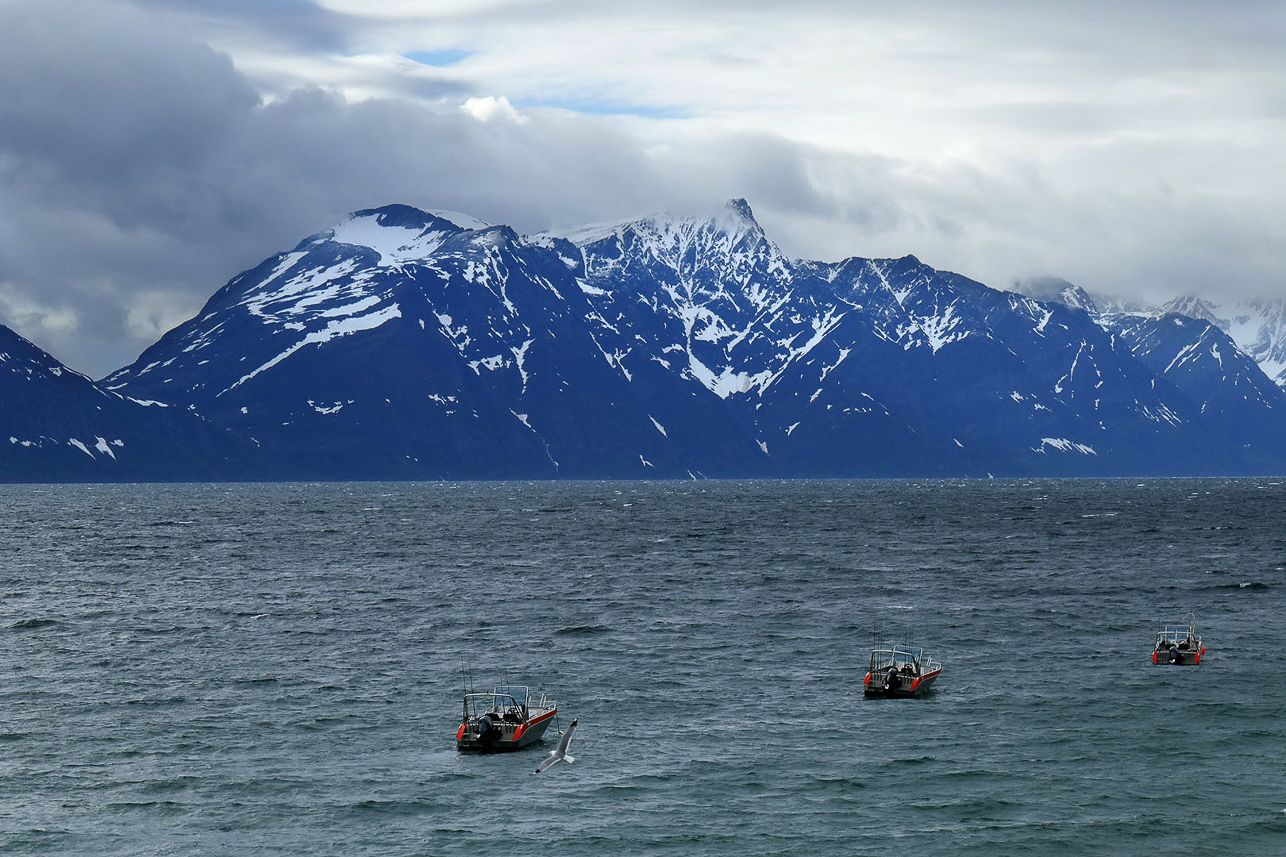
x=505, y=719
x=1179, y=644
x=900, y=671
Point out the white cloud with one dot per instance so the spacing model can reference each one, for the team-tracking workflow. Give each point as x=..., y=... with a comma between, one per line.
x=490, y=108
x=149, y=151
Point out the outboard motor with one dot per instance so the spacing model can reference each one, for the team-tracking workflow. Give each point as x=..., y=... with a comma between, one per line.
x=891, y=679
x=487, y=731
x=1174, y=654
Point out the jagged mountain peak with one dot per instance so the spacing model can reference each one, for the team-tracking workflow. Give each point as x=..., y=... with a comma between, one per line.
x=733, y=221
x=1258, y=326
x=729, y=244
x=1193, y=307
x=737, y=216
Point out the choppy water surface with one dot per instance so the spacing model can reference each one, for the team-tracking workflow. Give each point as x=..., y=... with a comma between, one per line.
x=277, y=668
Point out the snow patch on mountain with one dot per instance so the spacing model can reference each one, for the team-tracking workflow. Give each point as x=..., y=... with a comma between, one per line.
x=397, y=239
x=1062, y=444
x=938, y=329
x=464, y=221
x=342, y=327
x=392, y=243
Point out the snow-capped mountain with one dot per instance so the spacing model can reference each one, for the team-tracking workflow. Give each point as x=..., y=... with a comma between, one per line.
x=57, y=425
x=410, y=344
x=1257, y=327
x=1230, y=389
x=1189, y=345
x=399, y=345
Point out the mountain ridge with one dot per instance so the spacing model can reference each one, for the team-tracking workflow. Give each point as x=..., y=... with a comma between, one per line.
x=408, y=344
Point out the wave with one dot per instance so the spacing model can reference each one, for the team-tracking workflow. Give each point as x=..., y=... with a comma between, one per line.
x=583, y=629
x=396, y=807
x=34, y=624
x=161, y=807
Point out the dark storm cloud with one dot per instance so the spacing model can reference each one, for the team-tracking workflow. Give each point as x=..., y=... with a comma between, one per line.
x=105, y=102
x=140, y=171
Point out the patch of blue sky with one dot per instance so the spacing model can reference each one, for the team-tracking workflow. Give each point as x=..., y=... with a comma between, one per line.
x=440, y=58
x=597, y=107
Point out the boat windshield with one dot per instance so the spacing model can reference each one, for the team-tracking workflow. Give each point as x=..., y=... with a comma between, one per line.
x=508, y=696
x=897, y=656
x=501, y=699
x=1174, y=634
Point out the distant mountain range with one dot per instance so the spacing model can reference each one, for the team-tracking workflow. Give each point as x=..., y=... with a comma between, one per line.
x=408, y=344
x=1257, y=327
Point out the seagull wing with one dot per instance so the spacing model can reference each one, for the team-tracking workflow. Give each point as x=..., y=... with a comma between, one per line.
x=566, y=742
x=561, y=753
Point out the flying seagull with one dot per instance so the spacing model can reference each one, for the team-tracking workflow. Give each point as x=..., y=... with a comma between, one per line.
x=561, y=753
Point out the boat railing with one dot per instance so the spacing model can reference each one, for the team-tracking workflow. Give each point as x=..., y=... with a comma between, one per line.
x=502, y=699
x=884, y=657
x=1180, y=631
x=1175, y=635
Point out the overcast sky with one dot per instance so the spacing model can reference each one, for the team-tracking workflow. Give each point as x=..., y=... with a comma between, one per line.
x=151, y=150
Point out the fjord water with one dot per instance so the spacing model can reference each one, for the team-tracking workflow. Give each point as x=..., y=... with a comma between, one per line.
x=276, y=669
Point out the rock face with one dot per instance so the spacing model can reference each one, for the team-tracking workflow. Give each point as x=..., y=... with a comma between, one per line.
x=59, y=426
x=406, y=344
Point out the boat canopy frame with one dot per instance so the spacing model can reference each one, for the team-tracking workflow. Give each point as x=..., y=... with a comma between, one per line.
x=502, y=699
x=887, y=655
x=1173, y=635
